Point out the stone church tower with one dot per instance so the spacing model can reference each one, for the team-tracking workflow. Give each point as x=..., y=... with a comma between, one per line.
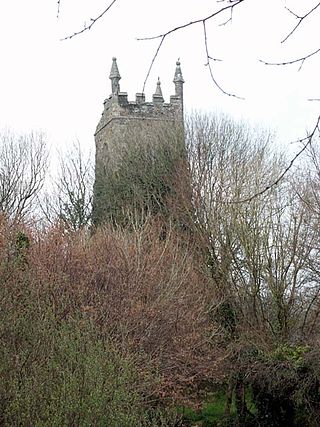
x=129, y=131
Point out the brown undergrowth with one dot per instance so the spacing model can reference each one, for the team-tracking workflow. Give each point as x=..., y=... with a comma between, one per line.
x=147, y=293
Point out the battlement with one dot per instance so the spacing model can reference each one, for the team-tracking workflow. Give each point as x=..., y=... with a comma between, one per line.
x=117, y=106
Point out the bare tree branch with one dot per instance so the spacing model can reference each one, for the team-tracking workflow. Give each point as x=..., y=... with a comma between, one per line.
x=208, y=64
x=152, y=62
x=197, y=21
x=92, y=22
x=230, y=6
x=58, y=8
x=228, y=20
x=308, y=141
x=293, y=61
x=300, y=20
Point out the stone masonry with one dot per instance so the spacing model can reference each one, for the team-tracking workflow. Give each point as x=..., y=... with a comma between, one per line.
x=121, y=119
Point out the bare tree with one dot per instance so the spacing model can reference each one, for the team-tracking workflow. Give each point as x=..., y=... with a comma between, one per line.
x=260, y=250
x=71, y=197
x=23, y=164
x=306, y=184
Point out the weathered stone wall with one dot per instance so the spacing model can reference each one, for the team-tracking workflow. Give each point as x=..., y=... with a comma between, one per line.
x=125, y=125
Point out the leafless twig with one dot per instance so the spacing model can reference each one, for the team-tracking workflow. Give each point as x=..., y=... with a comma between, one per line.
x=58, y=8
x=208, y=64
x=228, y=20
x=92, y=22
x=230, y=6
x=293, y=61
x=197, y=21
x=152, y=62
x=300, y=20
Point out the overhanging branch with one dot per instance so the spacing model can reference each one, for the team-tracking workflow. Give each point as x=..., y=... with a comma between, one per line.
x=307, y=142
x=92, y=21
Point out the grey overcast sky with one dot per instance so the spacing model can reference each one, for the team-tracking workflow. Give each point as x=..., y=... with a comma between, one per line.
x=59, y=86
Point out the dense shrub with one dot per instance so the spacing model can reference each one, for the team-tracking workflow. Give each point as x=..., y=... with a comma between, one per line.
x=94, y=329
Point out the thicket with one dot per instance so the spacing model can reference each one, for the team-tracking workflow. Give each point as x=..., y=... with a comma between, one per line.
x=204, y=310
x=97, y=330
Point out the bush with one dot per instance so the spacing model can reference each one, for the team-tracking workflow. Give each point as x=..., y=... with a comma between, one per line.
x=94, y=329
x=65, y=374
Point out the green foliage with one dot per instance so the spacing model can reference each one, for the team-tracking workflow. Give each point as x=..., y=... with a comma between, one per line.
x=289, y=353
x=64, y=375
x=22, y=241
x=225, y=315
x=66, y=372
x=212, y=413
x=22, y=245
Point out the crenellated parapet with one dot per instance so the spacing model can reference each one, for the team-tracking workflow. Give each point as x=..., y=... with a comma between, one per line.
x=118, y=107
